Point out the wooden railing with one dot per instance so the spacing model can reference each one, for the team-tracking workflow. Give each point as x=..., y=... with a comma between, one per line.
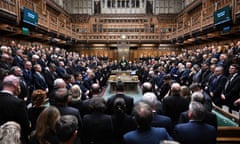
x=27, y=3
x=228, y=135
x=133, y=37
x=42, y=17
x=53, y=22
x=236, y=9
x=186, y=24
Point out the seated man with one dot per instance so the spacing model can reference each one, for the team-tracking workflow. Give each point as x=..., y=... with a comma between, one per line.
x=195, y=131
x=67, y=129
x=145, y=133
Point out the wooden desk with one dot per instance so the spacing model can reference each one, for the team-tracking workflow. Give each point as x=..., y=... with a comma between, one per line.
x=130, y=82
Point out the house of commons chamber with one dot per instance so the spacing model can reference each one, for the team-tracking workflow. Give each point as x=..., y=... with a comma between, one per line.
x=119, y=71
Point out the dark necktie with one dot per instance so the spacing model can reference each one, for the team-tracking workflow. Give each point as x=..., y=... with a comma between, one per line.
x=228, y=83
x=215, y=81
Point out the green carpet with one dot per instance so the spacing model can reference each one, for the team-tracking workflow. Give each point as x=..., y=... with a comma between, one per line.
x=224, y=121
x=135, y=94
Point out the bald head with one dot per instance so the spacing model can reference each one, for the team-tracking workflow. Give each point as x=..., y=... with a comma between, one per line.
x=10, y=79
x=146, y=87
x=11, y=83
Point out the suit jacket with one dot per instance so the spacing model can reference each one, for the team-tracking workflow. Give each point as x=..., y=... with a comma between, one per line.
x=33, y=114
x=162, y=121
x=61, y=71
x=81, y=106
x=39, y=82
x=185, y=76
x=18, y=61
x=14, y=109
x=67, y=110
x=232, y=91
x=49, y=78
x=163, y=91
x=195, y=132
x=5, y=65
x=122, y=124
x=173, y=106
x=210, y=118
x=128, y=100
x=24, y=89
x=97, y=128
x=28, y=76
x=151, y=136
x=216, y=85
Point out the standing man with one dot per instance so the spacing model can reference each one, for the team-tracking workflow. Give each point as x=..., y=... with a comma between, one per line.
x=145, y=133
x=195, y=131
x=216, y=85
x=13, y=108
x=231, y=91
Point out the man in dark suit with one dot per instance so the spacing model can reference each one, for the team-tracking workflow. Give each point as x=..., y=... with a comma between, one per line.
x=60, y=70
x=231, y=91
x=62, y=98
x=195, y=131
x=195, y=87
x=97, y=126
x=24, y=94
x=216, y=85
x=4, y=61
x=145, y=133
x=18, y=60
x=174, y=104
x=120, y=93
x=210, y=118
x=185, y=75
x=50, y=75
x=38, y=78
x=13, y=108
x=158, y=120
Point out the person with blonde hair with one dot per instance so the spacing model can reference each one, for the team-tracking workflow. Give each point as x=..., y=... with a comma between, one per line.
x=76, y=93
x=75, y=101
x=45, y=128
x=10, y=133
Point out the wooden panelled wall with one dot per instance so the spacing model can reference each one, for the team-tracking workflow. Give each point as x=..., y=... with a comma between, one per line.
x=134, y=53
